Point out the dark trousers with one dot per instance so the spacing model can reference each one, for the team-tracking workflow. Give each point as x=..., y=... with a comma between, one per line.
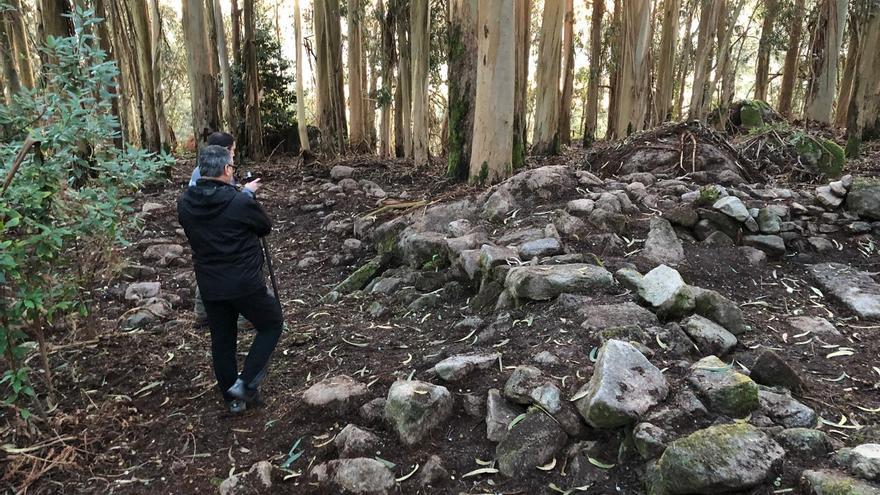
x=261, y=309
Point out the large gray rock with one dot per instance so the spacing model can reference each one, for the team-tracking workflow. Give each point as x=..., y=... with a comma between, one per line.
x=623, y=387
x=522, y=381
x=498, y=205
x=862, y=461
x=768, y=221
x=855, y=289
x=540, y=248
x=356, y=476
x=718, y=459
x=455, y=368
x=339, y=394
x=719, y=309
x=580, y=207
x=542, y=283
x=773, y=245
x=864, y=198
x=163, y=254
x=499, y=414
x=732, y=207
x=826, y=197
x=258, y=479
x=828, y=482
x=532, y=442
x=771, y=370
x=665, y=292
x=414, y=408
x=804, y=441
x=725, y=391
x=662, y=245
x=813, y=325
x=339, y=172
x=784, y=410
x=710, y=337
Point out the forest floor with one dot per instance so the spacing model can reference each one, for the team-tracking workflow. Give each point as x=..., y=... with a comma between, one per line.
x=138, y=411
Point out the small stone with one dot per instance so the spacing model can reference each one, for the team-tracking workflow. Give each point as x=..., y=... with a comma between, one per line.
x=662, y=245
x=732, y=207
x=768, y=221
x=142, y=290
x=719, y=239
x=341, y=172
x=828, y=482
x=771, y=370
x=719, y=309
x=373, y=412
x=353, y=245
x=164, y=254
x=433, y=472
x=785, y=411
x=629, y=278
x=580, y=207
x=540, y=248
x=683, y=215
x=665, y=291
x=372, y=189
x=804, y=441
x=456, y=368
x=623, y=387
x=710, y=337
x=360, y=475
x=838, y=188
x=862, y=461
x=599, y=316
x=751, y=225
x=650, y=440
x=258, y=479
x=532, y=442
x=859, y=227
x=338, y=394
x=863, y=198
x=499, y=414
x=820, y=244
x=546, y=357
x=726, y=391
x=152, y=208
x=474, y=405
x=521, y=383
x=773, y=245
x=826, y=198
x=355, y=442
x=414, y=408
x=818, y=326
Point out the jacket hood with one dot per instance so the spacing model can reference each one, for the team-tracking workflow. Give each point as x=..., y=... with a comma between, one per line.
x=207, y=199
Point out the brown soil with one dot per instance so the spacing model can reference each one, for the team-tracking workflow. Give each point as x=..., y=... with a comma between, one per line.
x=139, y=413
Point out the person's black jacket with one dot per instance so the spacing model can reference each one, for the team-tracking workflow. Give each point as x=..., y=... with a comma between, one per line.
x=223, y=226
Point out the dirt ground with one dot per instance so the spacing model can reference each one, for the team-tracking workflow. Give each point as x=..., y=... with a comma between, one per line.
x=139, y=413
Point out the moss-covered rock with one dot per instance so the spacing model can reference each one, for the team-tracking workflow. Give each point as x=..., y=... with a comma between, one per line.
x=725, y=390
x=864, y=198
x=721, y=458
x=362, y=276
x=827, y=482
x=823, y=156
x=531, y=442
x=752, y=112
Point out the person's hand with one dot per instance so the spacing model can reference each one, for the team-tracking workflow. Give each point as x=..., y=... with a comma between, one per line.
x=253, y=185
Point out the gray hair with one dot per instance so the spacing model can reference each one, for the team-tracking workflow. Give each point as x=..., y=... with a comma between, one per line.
x=212, y=160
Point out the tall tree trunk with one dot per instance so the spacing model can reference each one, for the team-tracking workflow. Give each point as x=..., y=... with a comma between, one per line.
x=137, y=9
x=684, y=60
x=114, y=88
x=493, y=115
x=388, y=61
x=357, y=137
x=331, y=100
x=370, y=103
x=591, y=120
x=522, y=12
x=404, y=75
x=253, y=124
x=724, y=77
x=863, y=118
x=53, y=18
x=129, y=89
x=225, y=73
x=7, y=63
x=825, y=49
x=165, y=135
x=762, y=73
x=633, y=79
x=849, y=71
x=420, y=45
x=792, y=60
x=709, y=10
x=22, y=45
x=203, y=85
x=235, y=16
x=567, y=74
x=462, y=59
x=300, y=97
x=545, y=140
x=666, y=62
x=614, y=50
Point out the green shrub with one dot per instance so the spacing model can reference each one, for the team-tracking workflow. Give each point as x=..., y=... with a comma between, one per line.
x=69, y=202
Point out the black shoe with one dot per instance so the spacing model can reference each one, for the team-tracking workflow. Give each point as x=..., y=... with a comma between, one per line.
x=236, y=406
x=240, y=391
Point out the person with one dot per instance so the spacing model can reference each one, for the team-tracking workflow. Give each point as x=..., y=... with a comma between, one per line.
x=224, y=226
x=227, y=141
